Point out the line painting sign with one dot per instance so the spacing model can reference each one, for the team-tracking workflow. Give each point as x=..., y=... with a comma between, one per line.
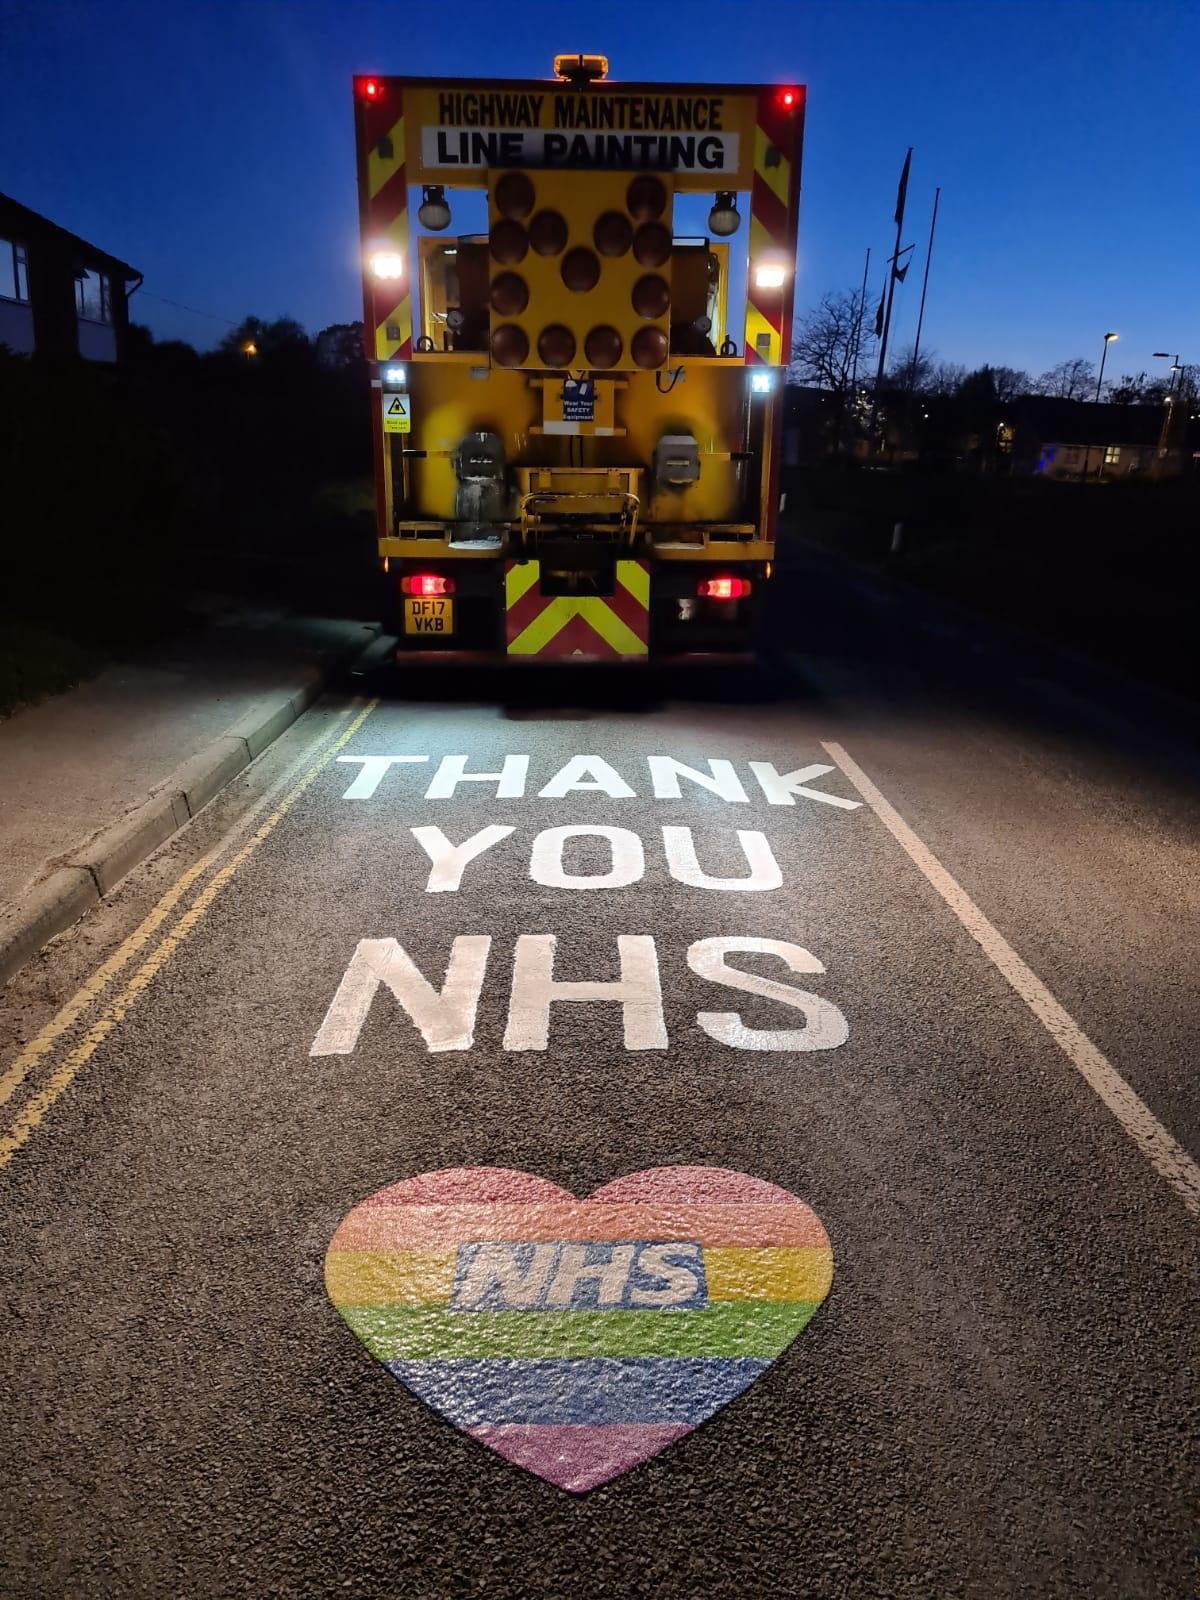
x=577, y=1338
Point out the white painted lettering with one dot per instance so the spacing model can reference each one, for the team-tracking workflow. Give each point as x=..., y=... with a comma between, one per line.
x=573, y=1269
x=604, y=779
x=371, y=773
x=546, y=863
x=534, y=990
x=825, y=1028
x=496, y=1266
x=446, y=1020
x=679, y=1282
x=684, y=867
x=780, y=788
x=665, y=773
x=451, y=860
x=510, y=780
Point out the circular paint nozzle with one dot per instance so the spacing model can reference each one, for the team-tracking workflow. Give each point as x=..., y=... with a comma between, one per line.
x=580, y=269
x=613, y=233
x=509, y=243
x=510, y=294
x=510, y=346
x=646, y=199
x=603, y=347
x=556, y=346
x=513, y=195
x=649, y=347
x=652, y=244
x=548, y=233
x=651, y=296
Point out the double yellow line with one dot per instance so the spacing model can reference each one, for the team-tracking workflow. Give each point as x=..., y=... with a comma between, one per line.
x=25, y=1123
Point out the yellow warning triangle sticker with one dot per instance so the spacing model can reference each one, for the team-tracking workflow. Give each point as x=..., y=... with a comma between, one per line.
x=396, y=409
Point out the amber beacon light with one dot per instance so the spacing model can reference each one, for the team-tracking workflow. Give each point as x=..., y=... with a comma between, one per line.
x=581, y=68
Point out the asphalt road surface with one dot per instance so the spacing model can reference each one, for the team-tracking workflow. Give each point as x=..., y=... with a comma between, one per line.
x=974, y=894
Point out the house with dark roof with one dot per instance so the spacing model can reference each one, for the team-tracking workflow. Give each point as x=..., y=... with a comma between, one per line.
x=1074, y=440
x=59, y=295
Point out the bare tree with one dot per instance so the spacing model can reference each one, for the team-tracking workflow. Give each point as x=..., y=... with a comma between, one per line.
x=901, y=371
x=830, y=340
x=832, y=350
x=946, y=378
x=1010, y=382
x=1129, y=390
x=1069, y=380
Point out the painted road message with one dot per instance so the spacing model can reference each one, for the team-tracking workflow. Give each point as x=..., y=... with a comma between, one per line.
x=577, y=1338
x=443, y=1007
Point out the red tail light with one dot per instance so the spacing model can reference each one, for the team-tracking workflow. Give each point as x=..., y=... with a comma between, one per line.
x=426, y=583
x=723, y=588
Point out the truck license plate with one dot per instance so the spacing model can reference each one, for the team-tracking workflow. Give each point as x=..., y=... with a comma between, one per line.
x=429, y=616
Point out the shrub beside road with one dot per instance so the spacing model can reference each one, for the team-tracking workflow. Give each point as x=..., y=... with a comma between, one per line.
x=1110, y=569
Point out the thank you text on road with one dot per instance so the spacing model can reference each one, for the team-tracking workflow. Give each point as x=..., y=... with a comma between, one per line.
x=443, y=1007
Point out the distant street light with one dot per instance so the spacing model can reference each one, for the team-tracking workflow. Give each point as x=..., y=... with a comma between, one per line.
x=249, y=348
x=1175, y=369
x=1164, y=434
x=1108, y=339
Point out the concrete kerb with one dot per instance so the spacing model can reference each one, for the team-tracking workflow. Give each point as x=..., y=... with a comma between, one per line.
x=49, y=907
x=93, y=868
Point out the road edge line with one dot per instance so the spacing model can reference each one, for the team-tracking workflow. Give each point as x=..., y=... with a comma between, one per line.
x=27, y=1120
x=94, y=986
x=1165, y=1154
x=60, y=900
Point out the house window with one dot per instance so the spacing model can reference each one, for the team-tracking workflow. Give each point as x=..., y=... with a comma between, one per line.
x=14, y=275
x=93, y=297
x=1112, y=454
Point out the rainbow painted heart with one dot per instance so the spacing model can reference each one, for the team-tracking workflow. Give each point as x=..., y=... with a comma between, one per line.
x=578, y=1337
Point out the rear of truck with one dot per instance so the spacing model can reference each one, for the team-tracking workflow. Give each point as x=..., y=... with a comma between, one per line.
x=578, y=300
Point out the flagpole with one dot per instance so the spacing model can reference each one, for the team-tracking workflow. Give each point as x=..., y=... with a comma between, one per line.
x=887, y=320
x=912, y=374
x=862, y=311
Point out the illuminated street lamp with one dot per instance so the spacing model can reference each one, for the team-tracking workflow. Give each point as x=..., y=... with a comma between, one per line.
x=249, y=348
x=1108, y=339
x=1175, y=369
x=1165, y=431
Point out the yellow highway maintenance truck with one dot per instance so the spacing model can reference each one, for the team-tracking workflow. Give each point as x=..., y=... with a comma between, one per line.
x=578, y=301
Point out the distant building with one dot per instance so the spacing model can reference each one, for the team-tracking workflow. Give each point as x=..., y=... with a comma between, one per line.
x=1078, y=440
x=59, y=295
x=1059, y=460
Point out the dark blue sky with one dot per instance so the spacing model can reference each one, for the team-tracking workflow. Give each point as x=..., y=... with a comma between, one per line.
x=210, y=144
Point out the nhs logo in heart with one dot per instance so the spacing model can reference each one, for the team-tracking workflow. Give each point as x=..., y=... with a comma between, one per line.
x=578, y=1337
x=568, y=1276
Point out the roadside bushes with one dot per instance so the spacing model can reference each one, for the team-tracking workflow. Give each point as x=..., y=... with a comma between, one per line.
x=124, y=490
x=1111, y=568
